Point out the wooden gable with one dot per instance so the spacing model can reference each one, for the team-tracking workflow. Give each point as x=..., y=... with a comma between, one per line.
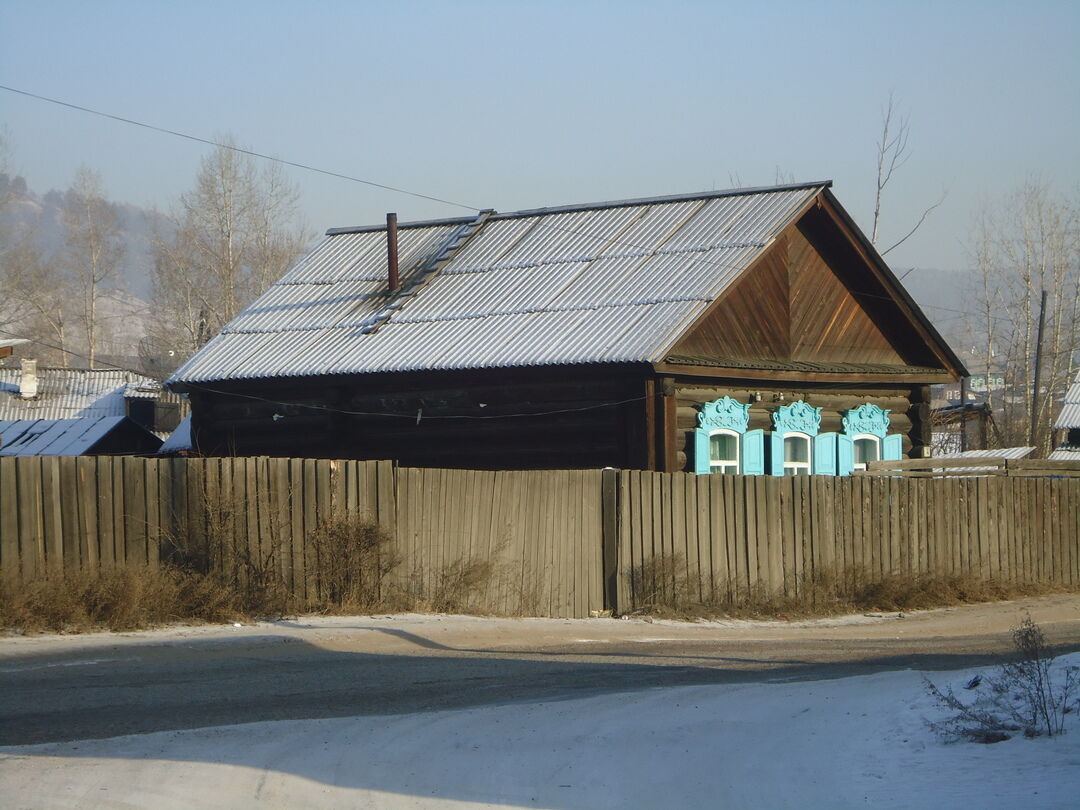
x=812, y=297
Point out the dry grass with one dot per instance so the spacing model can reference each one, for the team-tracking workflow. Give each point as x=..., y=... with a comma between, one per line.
x=127, y=597
x=212, y=580
x=664, y=587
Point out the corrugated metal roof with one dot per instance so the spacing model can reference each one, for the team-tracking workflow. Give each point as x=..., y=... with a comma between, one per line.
x=179, y=439
x=605, y=283
x=1065, y=454
x=1069, y=417
x=1005, y=452
x=54, y=437
x=68, y=393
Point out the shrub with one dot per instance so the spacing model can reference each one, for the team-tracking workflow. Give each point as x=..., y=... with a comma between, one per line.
x=350, y=559
x=1026, y=695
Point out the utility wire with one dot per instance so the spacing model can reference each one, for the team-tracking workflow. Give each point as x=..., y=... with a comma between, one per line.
x=242, y=151
x=372, y=183
x=328, y=409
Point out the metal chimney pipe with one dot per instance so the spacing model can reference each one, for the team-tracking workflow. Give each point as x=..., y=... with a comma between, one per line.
x=391, y=252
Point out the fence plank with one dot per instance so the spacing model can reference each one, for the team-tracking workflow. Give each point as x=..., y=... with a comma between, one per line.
x=10, y=568
x=52, y=523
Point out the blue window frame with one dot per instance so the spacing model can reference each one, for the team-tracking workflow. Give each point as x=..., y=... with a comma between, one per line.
x=722, y=443
x=796, y=445
x=866, y=438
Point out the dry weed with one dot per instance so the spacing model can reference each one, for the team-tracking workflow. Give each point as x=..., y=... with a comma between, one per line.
x=663, y=586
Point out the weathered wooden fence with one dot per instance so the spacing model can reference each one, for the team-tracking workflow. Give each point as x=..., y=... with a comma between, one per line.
x=540, y=529
x=563, y=543
x=734, y=534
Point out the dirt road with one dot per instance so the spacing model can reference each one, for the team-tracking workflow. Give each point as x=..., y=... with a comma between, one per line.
x=59, y=688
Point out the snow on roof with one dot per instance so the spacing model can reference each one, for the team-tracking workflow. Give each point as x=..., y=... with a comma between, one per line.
x=70, y=392
x=179, y=439
x=54, y=437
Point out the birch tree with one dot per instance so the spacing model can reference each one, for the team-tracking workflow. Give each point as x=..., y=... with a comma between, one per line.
x=1028, y=243
x=892, y=154
x=92, y=254
x=229, y=237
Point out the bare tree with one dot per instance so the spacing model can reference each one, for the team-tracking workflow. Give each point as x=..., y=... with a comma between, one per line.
x=1028, y=243
x=93, y=252
x=233, y=234
x=892, y=153
x=36, y=295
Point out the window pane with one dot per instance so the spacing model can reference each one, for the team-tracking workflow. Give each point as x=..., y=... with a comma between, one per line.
x=723, y=447
x=866, y=450
x=796, y=448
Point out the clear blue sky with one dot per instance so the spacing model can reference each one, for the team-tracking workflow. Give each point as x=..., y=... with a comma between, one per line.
x=516, y=105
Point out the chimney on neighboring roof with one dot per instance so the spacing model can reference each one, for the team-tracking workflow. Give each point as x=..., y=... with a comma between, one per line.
x=28, y=381
x=391, y=252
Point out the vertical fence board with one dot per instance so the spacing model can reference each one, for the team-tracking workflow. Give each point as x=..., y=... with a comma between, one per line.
x=53, y=522
x=10, y=567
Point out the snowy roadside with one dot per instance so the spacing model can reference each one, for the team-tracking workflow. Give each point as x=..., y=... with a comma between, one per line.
x=852, y=742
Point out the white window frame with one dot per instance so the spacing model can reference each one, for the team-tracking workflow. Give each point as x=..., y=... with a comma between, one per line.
x=719, y=466
x=855, y=439
x=807, y=465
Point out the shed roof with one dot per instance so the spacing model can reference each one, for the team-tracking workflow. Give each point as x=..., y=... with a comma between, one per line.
x=1003, y=452
x=54, y=437
x=1069, y=417
x=72, y=392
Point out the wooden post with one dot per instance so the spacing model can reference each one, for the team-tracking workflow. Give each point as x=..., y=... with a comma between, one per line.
x=1037, y=382
x=964, y=411
x=666, y=425
x=610, y=538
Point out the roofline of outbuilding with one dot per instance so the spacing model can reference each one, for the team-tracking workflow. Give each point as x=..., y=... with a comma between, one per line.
x=597, y=206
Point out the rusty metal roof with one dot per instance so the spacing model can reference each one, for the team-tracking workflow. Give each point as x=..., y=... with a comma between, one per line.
x=601, y=283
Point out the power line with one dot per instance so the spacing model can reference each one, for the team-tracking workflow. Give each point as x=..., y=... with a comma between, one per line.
x=372, y=183
x=238, y=149
x=327, y=409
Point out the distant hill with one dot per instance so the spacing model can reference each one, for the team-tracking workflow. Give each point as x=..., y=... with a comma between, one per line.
x=25, y=207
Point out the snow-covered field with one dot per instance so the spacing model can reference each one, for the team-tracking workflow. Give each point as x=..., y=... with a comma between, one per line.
x=854, y=742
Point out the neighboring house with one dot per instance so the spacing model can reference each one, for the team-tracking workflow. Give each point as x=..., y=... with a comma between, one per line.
x=749, y=331
x=1067, y=426
x=957, y=428
x=64, y=411
x=7, y=346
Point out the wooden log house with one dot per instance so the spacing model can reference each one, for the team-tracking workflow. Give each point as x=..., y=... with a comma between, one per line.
x=752, y=331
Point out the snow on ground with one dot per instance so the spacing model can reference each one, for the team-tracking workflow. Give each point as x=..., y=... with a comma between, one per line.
x=854, y=742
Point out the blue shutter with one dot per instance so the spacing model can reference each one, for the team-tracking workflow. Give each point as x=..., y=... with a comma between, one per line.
x=892, y=447
x=753, y=452
x=776, y=466
x=701, y=452
x=845, y=454
x=824, y=461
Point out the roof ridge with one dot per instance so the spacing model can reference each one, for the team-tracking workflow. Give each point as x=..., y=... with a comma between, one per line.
x=593, y=206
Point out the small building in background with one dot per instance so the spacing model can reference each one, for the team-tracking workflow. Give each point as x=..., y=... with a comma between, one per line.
x=67, y=411
x=1067, y=426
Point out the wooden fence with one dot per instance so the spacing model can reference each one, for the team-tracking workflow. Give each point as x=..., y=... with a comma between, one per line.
x=562, y=543
x=734, y=534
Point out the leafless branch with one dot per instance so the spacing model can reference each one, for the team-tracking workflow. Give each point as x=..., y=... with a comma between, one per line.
x=918, y=224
